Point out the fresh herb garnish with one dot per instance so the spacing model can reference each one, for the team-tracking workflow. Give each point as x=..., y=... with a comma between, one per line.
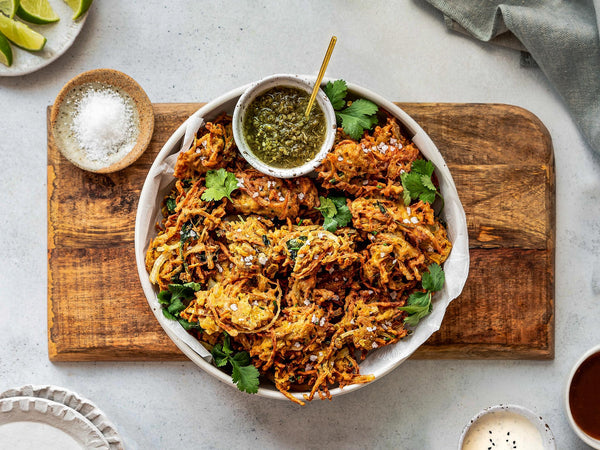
x=294, y=245
x=244, y=374
x=335, y=211
x=187, y=233
x=175, y=299
x=266, y=240
x=171, y=204
x=419, y=303
x=219, y=184
x=417, y=183
x=359, y=116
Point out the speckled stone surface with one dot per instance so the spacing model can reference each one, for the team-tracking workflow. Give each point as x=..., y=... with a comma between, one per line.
x=193, y=51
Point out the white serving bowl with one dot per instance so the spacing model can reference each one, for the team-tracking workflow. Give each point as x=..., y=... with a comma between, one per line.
x=382, y=361
x=544, y=430
x=594, y=443
x=259, y=88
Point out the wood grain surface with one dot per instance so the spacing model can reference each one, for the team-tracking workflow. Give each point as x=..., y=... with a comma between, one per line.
x=501, y=159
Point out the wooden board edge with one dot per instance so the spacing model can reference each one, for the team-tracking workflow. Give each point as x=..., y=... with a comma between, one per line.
x=484, y=352
x=115, y=355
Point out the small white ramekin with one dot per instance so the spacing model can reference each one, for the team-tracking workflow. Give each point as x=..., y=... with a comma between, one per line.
x=259, y=88
x=594, y=443
x=545, y=432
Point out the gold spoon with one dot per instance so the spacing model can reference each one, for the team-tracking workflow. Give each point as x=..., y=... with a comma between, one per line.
x=321, y=74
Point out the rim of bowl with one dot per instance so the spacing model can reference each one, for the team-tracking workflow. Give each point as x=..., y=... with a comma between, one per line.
x=142, y=103
x=418, y=135
x=592, y=442
x=545, y=431
x=259, y=87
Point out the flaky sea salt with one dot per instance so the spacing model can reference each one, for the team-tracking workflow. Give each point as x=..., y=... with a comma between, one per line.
x=103, y=123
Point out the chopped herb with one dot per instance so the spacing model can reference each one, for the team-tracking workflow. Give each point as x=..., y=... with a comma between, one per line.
x=381, y=207
x=417, y=183
x=244, y=374
x=175, y=299
x=171, y=204
x=219, y=184
x=265, y=240
x=335, y=211
x=187, y=233
x=359, y=116
x=419, y=303
x=294, y=245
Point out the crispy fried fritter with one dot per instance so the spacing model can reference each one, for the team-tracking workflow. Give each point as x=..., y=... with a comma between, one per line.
x=305, y=303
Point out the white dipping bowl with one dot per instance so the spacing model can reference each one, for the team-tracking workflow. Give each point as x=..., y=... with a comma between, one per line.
x=538, y=423
x=260, y=87
x=594, y=443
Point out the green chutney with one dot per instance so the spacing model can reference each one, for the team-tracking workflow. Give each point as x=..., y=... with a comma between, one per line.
x=277, y=130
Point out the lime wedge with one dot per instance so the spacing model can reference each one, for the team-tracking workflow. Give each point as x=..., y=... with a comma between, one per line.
x=20, y=34
x=6, y=55
x=9, y=7
x=37, y=11
x=79, y=7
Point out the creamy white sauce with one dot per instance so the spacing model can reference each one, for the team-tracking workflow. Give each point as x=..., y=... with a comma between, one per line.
x=35, y=436
x=503, y=430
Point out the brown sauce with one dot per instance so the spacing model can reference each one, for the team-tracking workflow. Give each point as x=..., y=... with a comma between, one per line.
x=584, y=396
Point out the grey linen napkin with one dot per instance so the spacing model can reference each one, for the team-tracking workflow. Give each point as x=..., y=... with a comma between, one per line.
x=561, y=36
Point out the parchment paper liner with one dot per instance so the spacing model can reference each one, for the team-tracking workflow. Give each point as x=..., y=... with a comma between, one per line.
x=383, y=360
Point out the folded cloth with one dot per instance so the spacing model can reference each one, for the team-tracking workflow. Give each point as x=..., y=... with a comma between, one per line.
x=560, y=35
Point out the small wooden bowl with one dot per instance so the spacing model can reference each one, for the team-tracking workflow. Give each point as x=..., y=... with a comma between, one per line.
x=143, y=106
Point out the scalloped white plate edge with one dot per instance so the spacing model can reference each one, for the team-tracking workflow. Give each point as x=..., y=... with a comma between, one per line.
x=56, y=415
x=83, y=406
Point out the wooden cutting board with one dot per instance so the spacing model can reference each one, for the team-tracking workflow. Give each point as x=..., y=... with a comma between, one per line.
x=501, y=159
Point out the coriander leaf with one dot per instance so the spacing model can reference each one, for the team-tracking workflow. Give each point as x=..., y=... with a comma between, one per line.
x=426, y=180
x=427, y=197
x=242, y=358
x=220, y=357
x=176, y=306
x=414, y=319
x=327, y=207
x=433, y=280
x=246, y=378
x=418, y=306
x=414, y=187
x=422, y=167
x=168, y=315
x=164, y=297
x=361, y=107
x=171, y=204
x=330, y=224
x=187, y=326
x=244, y=374
x=343, y=215
x=336, y=92
x=335, y=211
x=412, y=184
x=357, y=118
x=219, y=184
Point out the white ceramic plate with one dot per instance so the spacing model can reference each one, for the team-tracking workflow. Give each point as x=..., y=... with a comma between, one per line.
x=378, y=363
x=60, y=36
x=74, y=401
x=39, y=423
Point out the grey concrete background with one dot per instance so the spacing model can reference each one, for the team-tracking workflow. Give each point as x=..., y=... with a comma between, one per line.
x=193, y=51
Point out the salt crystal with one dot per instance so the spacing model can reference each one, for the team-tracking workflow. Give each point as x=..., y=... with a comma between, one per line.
x=233, y=307
x=104, y=123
